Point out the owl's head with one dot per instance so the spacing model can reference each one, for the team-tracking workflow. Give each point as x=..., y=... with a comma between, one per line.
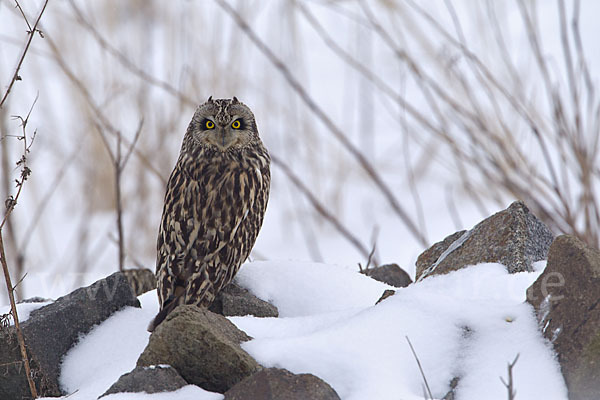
x=222, y=125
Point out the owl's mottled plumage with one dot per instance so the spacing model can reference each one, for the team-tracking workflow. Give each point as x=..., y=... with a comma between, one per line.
x=214, y=206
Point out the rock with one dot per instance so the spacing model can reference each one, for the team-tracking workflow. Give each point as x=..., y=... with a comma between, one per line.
x=386, y=293
x=234, y=301
x=513, y=237
x=391, y=274
x=154, y=379
x=202, y=346
x=142, y=280
x=432, y=254
x=566, y=297
x=53, y=329
x=281, y=384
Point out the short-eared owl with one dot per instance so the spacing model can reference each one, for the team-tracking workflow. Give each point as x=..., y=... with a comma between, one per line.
x=214, y=206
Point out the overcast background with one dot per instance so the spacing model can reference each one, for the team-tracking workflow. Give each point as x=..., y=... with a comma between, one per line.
x=393, y=123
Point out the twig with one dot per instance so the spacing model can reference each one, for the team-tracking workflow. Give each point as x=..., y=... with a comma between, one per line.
x=19, y=281
x=10, y=205
x=420, y=368
x=97, y=110
x=13, y=307
x=119, y=162
x=366, y=268
x=12, y=201
x=30, y=34
x=512, y=393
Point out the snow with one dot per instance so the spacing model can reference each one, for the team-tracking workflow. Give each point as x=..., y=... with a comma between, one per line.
x=23, y=310
x=259, y=277
x=80, y=367
x=469, y=323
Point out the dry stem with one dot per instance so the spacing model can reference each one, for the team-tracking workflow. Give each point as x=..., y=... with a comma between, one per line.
x=12, y=201
x=420, y=368
x=512, y=393
x=10, y=205
x=30, y=34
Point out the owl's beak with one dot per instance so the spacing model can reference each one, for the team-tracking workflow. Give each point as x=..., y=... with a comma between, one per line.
x=222, y=138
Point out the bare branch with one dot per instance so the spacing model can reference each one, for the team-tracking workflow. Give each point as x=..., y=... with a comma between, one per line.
x=25, y=171
x=512, y=393
x=132, y=145
x=98, y=112
x=30, y=34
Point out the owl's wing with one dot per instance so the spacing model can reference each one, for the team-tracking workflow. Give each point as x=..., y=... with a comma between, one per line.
x=209, y=225
x=206, y=222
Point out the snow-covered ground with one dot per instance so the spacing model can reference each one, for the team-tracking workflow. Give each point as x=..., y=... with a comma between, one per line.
x=470, y=323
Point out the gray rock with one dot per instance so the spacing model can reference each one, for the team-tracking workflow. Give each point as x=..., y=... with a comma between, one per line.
x=53, y=329
x=202, y=346
x=234, y=301
x=142, y=280
x=566, y=297
x=281, y=384
x=391, y=274
x=154, y=379
x=513, y=237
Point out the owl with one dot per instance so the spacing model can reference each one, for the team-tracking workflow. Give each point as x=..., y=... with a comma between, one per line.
x=214, y=205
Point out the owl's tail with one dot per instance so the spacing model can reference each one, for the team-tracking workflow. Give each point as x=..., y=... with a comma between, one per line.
x=168, y=306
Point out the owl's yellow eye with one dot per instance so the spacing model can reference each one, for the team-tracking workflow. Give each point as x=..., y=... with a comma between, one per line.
x=236, y=124
x=209, y=124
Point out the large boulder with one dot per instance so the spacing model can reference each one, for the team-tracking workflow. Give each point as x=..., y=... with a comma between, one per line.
x=513, y=237
x=154, y=379
x=202, y=346
x=235, y=301
x=566, y=297
x=391, y=274
x=281, y=384
x=53, y=329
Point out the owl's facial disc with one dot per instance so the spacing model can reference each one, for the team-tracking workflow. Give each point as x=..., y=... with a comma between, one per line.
x=224, y=124
x=225, y=135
